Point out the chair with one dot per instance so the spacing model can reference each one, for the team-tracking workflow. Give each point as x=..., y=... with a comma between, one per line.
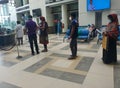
x=83, y=34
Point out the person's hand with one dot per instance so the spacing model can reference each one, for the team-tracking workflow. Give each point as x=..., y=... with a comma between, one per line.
x=105, y=33
x=69, y=38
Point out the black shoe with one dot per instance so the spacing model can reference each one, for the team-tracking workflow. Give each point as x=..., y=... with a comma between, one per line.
x=33, y=53
x=72, y=57
x=44, y=50
x=38, y=52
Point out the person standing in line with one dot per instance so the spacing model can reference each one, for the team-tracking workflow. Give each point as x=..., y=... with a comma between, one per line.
x=73, y=36
x=59, y=27
x=31, y=28
x=19, y=33
x=111, y=33
x=43, y=37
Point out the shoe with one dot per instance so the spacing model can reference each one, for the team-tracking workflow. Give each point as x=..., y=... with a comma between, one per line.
x=44, y=50
x=38, y=52
x=33, y=53
x=72, y=57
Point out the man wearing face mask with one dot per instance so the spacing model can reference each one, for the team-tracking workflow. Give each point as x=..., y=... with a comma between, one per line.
x=73, y=36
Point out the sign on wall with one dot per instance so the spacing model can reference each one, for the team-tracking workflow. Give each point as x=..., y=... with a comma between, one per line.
x=94, y=5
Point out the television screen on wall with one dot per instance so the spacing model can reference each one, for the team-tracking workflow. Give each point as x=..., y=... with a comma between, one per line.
x=95, y=5
x=3, y=1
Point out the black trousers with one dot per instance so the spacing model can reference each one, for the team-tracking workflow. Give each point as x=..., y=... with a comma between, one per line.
x=33, y=40
x=73, y=47
x=110, y=55
x=20, y=40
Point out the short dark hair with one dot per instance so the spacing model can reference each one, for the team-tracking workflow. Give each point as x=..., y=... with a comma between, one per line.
x=18, y=22
x=73, y=15
x=30, y=17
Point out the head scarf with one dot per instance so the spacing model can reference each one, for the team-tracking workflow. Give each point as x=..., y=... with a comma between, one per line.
x=115, y=18
x=42, y=18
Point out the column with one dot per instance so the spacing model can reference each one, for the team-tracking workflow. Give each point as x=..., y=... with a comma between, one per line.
x=64, y=17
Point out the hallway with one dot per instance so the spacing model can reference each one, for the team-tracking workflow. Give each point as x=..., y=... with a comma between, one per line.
x=53, y=70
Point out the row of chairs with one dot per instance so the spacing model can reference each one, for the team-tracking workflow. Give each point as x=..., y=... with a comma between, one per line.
x=83, y=34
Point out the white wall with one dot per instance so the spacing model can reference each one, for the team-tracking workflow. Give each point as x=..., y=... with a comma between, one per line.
x=115, y=8
x=115, y=4
x=85, y=17
x=89, y=17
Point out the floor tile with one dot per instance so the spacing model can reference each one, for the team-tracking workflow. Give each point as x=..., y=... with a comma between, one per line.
x=59, y=55
x=7, y=85
x=65, y=48
x=117, y=76
x=95, y=46
x=64, y=75
x=52, y=73
x=7, y=63
x=38, y=65
x=72, y=77
x=85, y=64
x=62, y=63
x=86, y=50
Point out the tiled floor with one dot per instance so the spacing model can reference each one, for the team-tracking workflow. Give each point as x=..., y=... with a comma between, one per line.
x=54, y=70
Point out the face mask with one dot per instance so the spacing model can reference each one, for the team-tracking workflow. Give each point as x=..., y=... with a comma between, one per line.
x=70, y=18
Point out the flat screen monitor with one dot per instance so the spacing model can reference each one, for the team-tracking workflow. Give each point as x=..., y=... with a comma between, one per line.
x=96, y=5
x=3, y=1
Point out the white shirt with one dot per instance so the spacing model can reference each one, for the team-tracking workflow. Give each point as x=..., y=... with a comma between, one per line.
x=19, y=31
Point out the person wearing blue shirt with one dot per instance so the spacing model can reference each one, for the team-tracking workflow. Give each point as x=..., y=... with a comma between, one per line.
x=59, y=27
x=73, y=36
x=91, y=7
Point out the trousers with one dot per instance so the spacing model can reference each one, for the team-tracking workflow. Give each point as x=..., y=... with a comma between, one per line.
x=73, y=47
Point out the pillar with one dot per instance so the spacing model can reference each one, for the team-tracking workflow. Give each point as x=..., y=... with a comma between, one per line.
x=64, y=17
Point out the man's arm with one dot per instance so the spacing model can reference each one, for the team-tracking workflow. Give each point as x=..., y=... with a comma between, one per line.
x=72, y=31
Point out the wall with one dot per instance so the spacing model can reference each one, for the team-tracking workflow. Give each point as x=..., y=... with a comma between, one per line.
x=85, y=17
x=89, y=17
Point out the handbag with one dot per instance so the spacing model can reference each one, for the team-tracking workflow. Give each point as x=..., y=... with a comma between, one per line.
x=105, y=42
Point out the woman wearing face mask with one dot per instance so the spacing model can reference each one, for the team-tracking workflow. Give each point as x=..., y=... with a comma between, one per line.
x=43, y=37
x=111, y=33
